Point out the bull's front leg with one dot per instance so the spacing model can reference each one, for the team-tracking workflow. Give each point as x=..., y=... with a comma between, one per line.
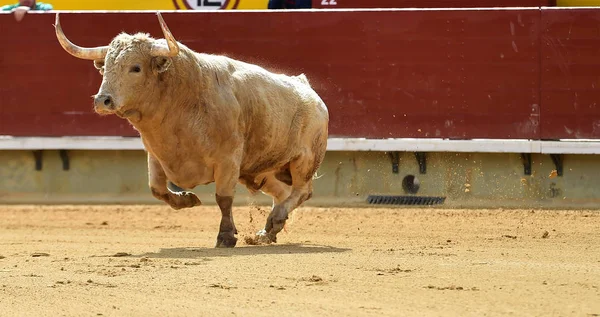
x=176, y=197
x=226, y=178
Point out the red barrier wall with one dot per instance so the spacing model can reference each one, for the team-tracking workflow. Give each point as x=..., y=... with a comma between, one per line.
x=570, y=87
x=449, y=74
x=343, y=4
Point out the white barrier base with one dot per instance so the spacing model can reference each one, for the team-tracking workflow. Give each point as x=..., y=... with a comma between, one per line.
x=566, y=146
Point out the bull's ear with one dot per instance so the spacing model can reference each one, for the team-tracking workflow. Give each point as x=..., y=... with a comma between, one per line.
x=99, y=64
x=160, y=64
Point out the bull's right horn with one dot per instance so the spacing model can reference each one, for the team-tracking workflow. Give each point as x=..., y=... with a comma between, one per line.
x=93, y=53
x=169, y=50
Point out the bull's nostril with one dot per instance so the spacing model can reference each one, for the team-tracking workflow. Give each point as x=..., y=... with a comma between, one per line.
x=107, y=101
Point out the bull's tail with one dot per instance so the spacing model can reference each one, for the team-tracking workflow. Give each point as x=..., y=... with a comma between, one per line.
x=302, y=78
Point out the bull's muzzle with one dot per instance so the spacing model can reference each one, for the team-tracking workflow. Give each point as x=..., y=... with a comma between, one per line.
x=103, y=103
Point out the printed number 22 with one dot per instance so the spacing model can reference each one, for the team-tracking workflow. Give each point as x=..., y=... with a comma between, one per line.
x=328, y=3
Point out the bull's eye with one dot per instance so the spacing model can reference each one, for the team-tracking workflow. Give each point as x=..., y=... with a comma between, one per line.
x=135, y=69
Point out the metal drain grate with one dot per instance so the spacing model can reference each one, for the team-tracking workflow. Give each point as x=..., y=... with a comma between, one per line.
x=405, y=200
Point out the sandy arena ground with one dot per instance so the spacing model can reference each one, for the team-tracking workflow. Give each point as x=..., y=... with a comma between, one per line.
x=153, y=261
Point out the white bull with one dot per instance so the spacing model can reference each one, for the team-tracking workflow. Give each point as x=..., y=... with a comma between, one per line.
x=208, y=118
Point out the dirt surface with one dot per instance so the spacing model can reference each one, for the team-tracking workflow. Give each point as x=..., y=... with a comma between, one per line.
x=154, y=261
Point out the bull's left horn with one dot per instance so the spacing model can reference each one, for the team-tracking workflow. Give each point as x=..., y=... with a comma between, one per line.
x=169, y=50
x=93, y=53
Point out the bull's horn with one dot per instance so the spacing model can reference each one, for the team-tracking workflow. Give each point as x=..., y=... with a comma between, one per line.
x=93, y=53
x=169, y=50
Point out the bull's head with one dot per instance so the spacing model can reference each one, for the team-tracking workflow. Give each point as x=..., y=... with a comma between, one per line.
x=130, y=66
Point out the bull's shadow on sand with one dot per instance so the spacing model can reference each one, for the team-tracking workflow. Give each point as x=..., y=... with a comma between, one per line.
x=195, y=253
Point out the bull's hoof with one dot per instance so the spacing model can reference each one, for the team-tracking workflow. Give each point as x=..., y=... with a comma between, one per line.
x=184, y=200
x=272, y=228
x=264, y=237
x=226, y=240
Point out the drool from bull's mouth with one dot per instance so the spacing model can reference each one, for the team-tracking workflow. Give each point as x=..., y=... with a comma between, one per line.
x=207, y=118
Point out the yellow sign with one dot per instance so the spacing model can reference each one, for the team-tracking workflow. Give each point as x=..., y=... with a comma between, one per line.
x=153, y=4
x=577, y=3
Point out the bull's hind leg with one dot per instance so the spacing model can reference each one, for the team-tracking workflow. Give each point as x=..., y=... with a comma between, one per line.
x=166, y=191
x=279, y=190
x=301, y=170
